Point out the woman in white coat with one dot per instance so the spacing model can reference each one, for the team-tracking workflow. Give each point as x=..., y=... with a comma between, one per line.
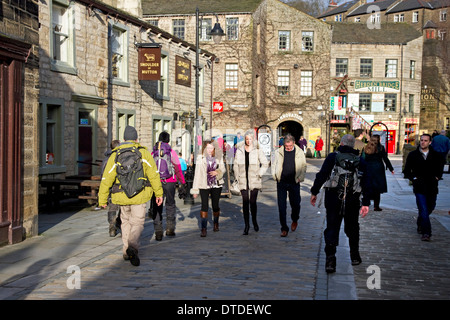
x=208, y=181
x=250, y=164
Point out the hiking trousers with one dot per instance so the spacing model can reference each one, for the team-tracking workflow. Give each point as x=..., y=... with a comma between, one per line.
x=337, y=211
x=169, y=197
x=133, y=218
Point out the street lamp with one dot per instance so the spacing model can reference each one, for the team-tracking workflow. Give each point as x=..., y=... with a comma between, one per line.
x=217, y=34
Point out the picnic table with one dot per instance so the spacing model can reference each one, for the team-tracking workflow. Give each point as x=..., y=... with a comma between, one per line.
x=70, y=187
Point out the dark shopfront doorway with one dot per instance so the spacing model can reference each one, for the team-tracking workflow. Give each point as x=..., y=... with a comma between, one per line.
x=292, y=127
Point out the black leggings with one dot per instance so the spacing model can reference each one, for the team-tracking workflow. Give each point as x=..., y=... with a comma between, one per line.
x=215, y=196
x=249, y=202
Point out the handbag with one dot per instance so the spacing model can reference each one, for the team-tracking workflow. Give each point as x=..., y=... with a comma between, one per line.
x=235, y=188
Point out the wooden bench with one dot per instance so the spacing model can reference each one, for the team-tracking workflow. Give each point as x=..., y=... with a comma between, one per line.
x=54, y=193
x=92, y=195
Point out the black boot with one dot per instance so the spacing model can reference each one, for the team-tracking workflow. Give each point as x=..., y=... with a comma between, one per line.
x=330, y=264
x=255, y=223
x=356, y=258
x=247, y=223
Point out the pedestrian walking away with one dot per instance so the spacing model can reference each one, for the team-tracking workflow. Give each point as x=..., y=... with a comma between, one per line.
x=376, y=158
x=250, y=164
x=302, y=143
x=424, y=168
x=131, y=173
x=441, y=144
x=289, y=170
x=113, y=209
x=342, y=176
x=169, y=169
x=208, y=181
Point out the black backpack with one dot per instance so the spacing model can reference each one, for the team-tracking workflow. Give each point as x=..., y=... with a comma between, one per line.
x=130, y=171
x=344, y=176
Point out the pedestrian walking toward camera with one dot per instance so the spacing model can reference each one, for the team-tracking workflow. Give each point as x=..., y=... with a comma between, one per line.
x=169, y=169
x=424, y=168
x=250, y=164
x=208, y=181
x=342, y=175
x=288, y=171
x=131, y=173
x=376, y=159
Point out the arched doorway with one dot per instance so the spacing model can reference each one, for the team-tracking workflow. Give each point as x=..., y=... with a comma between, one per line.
x=292, y=127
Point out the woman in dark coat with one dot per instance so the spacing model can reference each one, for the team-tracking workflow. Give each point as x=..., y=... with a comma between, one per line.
x=376, y=157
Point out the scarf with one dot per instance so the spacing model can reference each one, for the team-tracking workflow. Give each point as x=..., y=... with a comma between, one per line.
x=210, y=166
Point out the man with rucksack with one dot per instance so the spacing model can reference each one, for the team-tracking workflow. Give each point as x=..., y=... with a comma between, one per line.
x=169, y=169
x=131, y=173
x=342, y=175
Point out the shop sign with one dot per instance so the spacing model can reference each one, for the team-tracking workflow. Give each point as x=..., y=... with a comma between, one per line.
x=149, y=64
x=377, y=86
x=182, y=71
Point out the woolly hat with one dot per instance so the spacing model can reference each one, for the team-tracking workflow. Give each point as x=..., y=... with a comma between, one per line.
x=130, y=133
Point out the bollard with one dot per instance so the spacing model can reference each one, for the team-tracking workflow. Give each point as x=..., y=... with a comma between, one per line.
x=189, y=178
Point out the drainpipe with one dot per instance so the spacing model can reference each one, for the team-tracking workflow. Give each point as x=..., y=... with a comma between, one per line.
x=400, y=103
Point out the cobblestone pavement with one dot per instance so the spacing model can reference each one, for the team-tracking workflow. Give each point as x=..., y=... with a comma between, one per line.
x=227, y=265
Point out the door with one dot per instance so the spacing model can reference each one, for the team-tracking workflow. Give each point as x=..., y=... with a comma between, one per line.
x=391, y=141
x=85, y=142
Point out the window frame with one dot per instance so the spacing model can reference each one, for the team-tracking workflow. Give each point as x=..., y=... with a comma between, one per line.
x=179, y=28
x=58, y=166
x=365, y=97
x=306, y=83
x=390, y=97
x=389, y=70
x=364, y=66
x=68, y=64
x=231, y=76
x=340, y=65
x=284, y=40
x=163, y=92
x=123, y=79
x=304, y=41
x=232, y=27
x=283, y=78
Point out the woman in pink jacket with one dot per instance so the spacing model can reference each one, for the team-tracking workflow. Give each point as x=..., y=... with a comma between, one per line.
x=169, y=169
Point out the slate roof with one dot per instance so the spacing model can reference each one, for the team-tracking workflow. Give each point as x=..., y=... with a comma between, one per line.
x=361, y=10
x=358, y=33
x=180, y=7
x=410, y=5
x=339, y=9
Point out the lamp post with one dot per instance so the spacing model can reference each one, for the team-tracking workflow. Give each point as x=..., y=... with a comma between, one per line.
x=217, y=34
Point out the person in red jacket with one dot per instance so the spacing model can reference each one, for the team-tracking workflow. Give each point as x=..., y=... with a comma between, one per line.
x=318, y=147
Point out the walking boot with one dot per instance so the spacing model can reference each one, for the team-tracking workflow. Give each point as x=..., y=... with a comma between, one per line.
x=247, y=223
x=112, y=223
x=133, y=256
x=330, y=264
x=204, y=217
x=216, y=221
x=255, y=223
x=356, y=258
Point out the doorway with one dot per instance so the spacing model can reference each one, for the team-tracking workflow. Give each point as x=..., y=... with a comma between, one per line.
x=292, y=127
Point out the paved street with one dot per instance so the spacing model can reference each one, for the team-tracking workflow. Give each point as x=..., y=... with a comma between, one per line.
x=229, y=266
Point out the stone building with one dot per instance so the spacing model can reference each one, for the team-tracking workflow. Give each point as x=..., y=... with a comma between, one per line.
x=376, y=75
x=429, y=17
x=19, y=90
x=91, y=85
x=271, y=68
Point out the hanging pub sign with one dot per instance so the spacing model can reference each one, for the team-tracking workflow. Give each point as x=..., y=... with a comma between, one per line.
x=149, y=64
x=182, y=71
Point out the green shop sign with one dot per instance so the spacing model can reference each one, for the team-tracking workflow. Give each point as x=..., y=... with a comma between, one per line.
x=377, y=86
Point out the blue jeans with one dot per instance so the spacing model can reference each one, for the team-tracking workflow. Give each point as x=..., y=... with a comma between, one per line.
x=294, y=200
x=426, y=204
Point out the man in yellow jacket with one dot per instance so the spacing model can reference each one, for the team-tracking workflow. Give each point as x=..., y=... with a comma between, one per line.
x=132, y=209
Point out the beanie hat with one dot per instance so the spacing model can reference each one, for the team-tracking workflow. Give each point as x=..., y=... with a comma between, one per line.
x=130, y=133
x=164, y=137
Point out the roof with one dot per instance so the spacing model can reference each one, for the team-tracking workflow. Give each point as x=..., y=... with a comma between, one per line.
x=389, y=33
x=411, y=5
x=180, y=7
x=339, y=9
x=382, y=5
